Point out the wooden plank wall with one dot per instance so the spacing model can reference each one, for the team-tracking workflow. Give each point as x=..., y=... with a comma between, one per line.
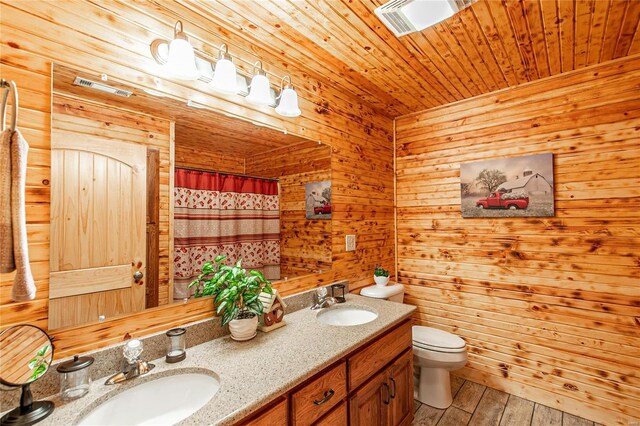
x=550, y=307
x=306, y=244
x=188, y=156
x=114, y=37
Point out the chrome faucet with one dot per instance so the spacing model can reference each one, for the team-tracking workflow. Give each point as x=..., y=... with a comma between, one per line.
x=133, y=366
x=322, y=300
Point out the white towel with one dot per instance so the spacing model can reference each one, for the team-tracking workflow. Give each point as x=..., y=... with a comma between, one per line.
x=24, y=287
x=6, y=232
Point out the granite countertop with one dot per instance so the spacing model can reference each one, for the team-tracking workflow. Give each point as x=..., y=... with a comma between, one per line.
x=281, y=359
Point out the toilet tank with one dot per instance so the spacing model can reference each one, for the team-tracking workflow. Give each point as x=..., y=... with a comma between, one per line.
x=394, y=293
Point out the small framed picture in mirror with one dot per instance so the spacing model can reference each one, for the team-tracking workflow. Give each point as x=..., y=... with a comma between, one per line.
x=318, y=199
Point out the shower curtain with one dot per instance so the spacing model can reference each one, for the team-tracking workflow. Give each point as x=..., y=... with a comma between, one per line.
x=214, y=214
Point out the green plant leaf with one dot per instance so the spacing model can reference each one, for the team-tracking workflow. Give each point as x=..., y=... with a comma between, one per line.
x=221, y=306
x=250, y=299
x=33, y=363
x=39, y=371
x=43, y=350
x=235, y=289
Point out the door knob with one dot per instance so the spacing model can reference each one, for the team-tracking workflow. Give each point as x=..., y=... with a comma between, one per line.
x=138, y=275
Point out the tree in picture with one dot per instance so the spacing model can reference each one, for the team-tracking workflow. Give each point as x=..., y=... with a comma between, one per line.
x=491, y=179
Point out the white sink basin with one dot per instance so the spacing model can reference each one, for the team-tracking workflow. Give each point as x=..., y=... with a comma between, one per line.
x=346, y=316
x=163, y=401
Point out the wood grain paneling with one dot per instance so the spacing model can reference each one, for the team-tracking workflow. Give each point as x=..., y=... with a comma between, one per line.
x=491, y=45
x=549, y=306
x=305, y=243
x=188, y=156
x=344, y=46
x=152, y=275
x=113, y=37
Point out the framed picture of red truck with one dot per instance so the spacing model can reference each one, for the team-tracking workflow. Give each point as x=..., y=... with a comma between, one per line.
x=318, y=200
x=508, y=187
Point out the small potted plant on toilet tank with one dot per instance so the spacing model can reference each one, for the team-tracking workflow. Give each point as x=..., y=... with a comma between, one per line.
x=380, y=275
x=236, y=293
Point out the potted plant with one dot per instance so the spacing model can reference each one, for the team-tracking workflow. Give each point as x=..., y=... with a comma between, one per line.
x=380, y=276
x=236, y=294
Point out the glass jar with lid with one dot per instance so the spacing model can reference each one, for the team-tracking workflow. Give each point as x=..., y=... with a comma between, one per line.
x=176, y=346
x=75, y=377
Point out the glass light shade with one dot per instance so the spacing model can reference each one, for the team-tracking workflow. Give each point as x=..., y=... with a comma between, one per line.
x=181, y=61
x=224, y=77
x=288, y=106
x=259, y=91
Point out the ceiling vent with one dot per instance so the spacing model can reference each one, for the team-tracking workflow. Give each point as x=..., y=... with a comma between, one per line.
x=79, y=81
x=409, y=16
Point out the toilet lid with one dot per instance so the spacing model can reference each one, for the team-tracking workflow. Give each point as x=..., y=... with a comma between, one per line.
x=437, y=340
x=382, y=292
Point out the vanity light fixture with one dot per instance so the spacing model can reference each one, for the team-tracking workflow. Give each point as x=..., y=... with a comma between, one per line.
x=225, y=75
x=181, y=60
x=288, y=105
x=259, y=90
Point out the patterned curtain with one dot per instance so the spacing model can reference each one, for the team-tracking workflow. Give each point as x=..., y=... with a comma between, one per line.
x=215, y=214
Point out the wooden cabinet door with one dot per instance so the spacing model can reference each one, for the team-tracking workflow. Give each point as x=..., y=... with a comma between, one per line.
x=401, y=383
x=98, y=227
x=369, y=405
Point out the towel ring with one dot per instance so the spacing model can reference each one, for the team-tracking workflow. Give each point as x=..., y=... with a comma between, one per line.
x=10, y=86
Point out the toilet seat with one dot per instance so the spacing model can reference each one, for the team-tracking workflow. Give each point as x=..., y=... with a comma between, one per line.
x=432, y=339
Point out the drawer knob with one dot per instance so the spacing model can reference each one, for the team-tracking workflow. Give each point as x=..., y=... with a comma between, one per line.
x=327, y=396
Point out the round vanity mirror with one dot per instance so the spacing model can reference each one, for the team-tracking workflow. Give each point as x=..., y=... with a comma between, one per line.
x=26, y=353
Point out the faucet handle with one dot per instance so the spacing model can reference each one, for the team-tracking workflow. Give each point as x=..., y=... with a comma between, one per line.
x=321, y=292
x=132, y=350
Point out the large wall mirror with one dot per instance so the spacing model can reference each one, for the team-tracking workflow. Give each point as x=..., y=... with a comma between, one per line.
x=145, y=188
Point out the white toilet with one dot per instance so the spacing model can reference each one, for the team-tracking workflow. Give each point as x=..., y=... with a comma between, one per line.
x=435, y=353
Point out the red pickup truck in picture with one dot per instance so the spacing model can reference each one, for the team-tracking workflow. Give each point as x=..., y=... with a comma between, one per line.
x=502, y=200
x=324, y=209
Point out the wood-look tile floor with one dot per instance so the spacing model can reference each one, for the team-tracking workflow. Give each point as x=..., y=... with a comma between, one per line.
x=478, y=405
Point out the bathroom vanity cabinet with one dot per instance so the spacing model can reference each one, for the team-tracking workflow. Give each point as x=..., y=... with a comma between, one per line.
x=373, y=385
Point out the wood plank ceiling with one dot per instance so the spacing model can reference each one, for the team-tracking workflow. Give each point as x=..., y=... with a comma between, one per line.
x=489, y=46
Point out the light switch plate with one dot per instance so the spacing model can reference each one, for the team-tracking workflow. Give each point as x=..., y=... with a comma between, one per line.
x=350, y=242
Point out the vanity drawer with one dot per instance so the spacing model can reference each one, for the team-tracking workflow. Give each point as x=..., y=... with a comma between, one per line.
x=319, y=396
x=274, y=415
x=338, y=417
x=365, y=363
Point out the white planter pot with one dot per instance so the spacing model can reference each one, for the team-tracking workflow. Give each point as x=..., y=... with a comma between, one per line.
x=244, y=329
x=381, y=281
